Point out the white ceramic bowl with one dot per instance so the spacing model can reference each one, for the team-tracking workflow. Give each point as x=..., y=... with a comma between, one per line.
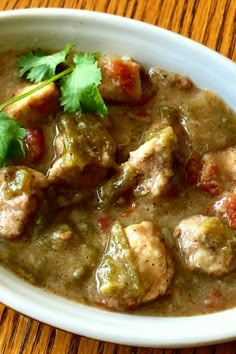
x=53, y=28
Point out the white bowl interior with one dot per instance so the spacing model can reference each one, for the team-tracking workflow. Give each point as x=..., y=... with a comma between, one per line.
x=54, y=28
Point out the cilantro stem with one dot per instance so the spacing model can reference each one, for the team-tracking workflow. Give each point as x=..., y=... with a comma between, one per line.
x=35, y=89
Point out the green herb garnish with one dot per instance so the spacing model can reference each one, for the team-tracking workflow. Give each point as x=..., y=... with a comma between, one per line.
x=38, y=66
x=80, y=88
x=78, y=82
x=11, y=135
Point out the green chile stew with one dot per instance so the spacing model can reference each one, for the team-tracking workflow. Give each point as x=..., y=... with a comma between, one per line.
x=133, y=210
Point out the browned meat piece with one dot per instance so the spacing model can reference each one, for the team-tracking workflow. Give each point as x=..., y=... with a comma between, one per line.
x=153, y=161
x=90, y=177
x=153, y=262
x=171, y=79
x=219, y=171
x=20, y=189
x=120, y=79
x=37, y=107
x=148, y=169
x=135, y=267
x=207, y=245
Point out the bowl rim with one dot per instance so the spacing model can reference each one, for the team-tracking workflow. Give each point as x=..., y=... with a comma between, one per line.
x=96, y=323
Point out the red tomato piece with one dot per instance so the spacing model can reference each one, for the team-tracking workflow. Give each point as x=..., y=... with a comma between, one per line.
x=225, y=208
x=209, y=180
x=124, y=75
x=35, y=146
x=104, y=223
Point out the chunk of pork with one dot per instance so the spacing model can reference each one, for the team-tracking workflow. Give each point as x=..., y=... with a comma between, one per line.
x=135, y=267
x=37, y=107
x=148, y=169
x=219, y=171
x=206, y=244
x=121, y=80
x=20, y=190
x=153, y=262
x=153, y=161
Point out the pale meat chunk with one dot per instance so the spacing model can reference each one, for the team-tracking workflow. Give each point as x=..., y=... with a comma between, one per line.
x=207, y=245
x=147, y=171
x=153, y=161
x=20, y=190
x=37, y=107
x=153, y=262
x=219, y=171
x=118, y=281
x=135, y=267
x=121, y=80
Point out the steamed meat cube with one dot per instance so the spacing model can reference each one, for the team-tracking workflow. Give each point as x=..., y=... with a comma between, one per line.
x=207, y=245
x=37, y=107
x=20, y=190
x=153, y=262
x=208, y=123
x=121, y=80
x=84, y=151
x=148, y=169
x=135, y=267
x=219, y=171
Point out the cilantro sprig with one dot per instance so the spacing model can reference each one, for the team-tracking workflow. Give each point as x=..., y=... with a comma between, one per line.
x=11, y=135
x=78, y=83
x=39, y=66
x=80, y=88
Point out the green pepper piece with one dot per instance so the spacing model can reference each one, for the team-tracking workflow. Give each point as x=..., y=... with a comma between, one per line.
x=117, y=275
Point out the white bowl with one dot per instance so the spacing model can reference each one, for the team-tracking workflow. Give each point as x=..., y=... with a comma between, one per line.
x=90, y=31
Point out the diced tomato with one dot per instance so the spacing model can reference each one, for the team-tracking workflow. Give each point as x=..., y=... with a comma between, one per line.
x=225, y=208
x=193, y=168
x=35, y=146
x=209, y=181
x=104, y=223
x=124, y=74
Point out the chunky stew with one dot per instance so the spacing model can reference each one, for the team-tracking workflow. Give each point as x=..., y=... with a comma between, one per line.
x=134, y=211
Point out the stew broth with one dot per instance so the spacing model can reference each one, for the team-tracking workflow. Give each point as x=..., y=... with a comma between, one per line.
x=76, y=242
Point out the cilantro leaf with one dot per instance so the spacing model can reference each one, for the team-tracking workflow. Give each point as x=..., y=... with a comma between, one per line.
x=79, y=91
x=38, y=66
x=11, y=135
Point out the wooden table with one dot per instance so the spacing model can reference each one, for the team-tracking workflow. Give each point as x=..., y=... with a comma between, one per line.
x=211, y=22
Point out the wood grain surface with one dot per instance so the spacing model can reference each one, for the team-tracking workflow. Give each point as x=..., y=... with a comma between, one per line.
x=210, y=22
